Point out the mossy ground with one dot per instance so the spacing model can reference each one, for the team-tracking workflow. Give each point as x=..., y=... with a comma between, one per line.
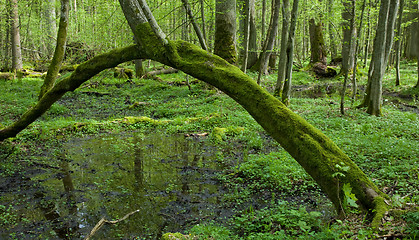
x=384, y=147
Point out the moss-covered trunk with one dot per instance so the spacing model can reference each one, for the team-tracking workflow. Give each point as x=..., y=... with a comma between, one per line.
x=225, y=30
x=58, y=57
x=82, y=73
x=318, y=48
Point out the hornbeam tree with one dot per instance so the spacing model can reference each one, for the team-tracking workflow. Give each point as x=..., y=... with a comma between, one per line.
x=315, y=152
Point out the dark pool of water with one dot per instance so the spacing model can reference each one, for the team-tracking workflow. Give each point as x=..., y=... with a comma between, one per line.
x=170, y=179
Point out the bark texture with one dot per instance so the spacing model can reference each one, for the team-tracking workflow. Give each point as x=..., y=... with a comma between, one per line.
x=383, y=42
x=16, y=47
x=283, y=54
x=318, y=49
x=225, y=30
x=270, y=39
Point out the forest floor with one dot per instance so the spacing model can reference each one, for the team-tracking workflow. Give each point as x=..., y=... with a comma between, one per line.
x=265, y=193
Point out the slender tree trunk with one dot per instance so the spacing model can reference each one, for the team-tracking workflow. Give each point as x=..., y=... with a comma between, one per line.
x=263, y=21
x=16, y=47
x=204, y=33
x=382, y=45
x=333, y=50
x=348, y=16
x=270, y=39
x=283, y=54
x=248, y=4
x=6, y=56
x=58, y=57
x=348, y=30
x=51, y=27
x=225, y=30
x=286, y=94
x=368, y=35
x=195, y=25
x=354, y=81
x=139, y=68
x=399, y=42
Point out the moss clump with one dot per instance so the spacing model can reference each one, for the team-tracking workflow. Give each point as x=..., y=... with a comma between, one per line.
x=174, y=236
x=219, y=134
x=142, y=119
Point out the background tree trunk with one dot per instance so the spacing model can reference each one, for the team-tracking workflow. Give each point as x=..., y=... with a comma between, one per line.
x=348, y=53
x=348, y=30
x=318, y=51
x=382, y=45
x=333, y=50
x=225, y=30
x=398, y=43
x=286, y=94
x=51, y=27
x=16, y=47
x=195, y=25
x=58, y=57
x=270, y=40
x=283, y=54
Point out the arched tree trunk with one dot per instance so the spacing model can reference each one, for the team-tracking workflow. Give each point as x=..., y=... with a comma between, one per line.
x=318, y=155
x=225, y=30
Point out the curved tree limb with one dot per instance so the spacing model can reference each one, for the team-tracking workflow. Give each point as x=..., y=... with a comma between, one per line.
x=82, y=73
x=58, y=57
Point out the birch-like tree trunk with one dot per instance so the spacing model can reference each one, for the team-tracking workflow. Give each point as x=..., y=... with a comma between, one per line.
x=16, y=47
x=51, y=27
x=398, y=43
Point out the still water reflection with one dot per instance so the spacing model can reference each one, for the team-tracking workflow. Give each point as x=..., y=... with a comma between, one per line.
x=170, y=179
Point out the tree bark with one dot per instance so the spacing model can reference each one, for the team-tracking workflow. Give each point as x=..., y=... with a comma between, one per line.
x=286, y=93
x=382, y=45
x=16, y=47
x=198, y=32
x=399, y=42
x=348, y=15
x=333, y=50
x=51, y=27
x=312, y=149
x=247, y=6
x=57, y=59
x=225, y=30
x=270, y=40
x=283, y=54
x=318, y=51
x=204, y=33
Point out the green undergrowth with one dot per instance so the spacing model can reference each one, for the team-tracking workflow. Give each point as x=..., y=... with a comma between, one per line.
x=294, y=207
